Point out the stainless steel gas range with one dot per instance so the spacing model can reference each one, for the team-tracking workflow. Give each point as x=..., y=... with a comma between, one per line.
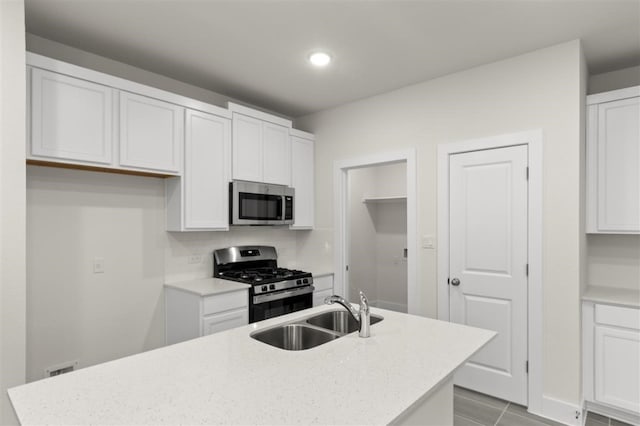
x=274, y=291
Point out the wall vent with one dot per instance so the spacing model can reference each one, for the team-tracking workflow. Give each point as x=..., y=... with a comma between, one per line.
x=56, y=370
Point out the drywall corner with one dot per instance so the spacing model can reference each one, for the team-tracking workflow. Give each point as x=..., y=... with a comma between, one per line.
x=12, y=203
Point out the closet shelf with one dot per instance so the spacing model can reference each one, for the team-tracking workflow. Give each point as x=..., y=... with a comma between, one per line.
x=380, y=200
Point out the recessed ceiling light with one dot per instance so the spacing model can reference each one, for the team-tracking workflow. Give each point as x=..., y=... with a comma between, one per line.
x=320, y=59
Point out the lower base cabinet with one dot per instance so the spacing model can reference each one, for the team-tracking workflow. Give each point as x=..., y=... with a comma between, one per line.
x=611, y=339
x=189, y=315
x=323, y=287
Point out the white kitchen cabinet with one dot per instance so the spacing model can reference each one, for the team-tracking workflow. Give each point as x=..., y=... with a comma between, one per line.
x=276, y=154
x=247, y=148
x=71, y=119
x=151, y=133
x=261, y=146
x=303, y=179
x=323, y=285
x=199, y=200
x=611, y=339
x=190, y=315
x=613, y=162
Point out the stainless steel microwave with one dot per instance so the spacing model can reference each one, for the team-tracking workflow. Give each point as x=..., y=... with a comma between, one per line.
x=255, y=203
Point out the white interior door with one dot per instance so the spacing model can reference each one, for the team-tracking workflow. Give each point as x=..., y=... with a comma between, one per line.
x=488, y=265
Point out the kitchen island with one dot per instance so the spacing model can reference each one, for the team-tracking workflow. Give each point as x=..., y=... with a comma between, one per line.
x=401, y=374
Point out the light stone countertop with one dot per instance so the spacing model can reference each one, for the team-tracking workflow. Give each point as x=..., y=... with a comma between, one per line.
x=230, y=378
x=208, y=286
x=612, y=295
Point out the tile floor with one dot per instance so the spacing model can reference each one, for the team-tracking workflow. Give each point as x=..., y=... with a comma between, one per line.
x=474, y=409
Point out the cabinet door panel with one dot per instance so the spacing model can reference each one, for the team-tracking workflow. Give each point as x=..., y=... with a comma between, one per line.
x=226, y=321
x=302, y=179
x=619, y=165
x=617, y=367
x=151, y=133
x=207, y=171
x=71, y=119
x=247, y=148
x=277, y=154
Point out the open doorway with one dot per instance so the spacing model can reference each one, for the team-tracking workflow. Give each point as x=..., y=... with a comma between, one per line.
x=406, y=260
x=377, y=235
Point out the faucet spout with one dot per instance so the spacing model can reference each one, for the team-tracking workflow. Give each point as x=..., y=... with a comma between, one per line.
x=362, y=315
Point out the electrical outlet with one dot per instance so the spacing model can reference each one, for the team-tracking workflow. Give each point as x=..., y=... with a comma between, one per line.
x=194, y=258
x=98, y=265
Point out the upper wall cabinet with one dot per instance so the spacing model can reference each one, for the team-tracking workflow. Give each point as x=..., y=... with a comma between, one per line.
x=613, y=162
x=151, y=133
x=71, y=119
x=261, y=146
x=303, y=179
x=199, y=201
x=87, y=119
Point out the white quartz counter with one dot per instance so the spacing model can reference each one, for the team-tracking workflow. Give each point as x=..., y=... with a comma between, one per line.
x=208, y=286
x=613, y=296
x=230, y=378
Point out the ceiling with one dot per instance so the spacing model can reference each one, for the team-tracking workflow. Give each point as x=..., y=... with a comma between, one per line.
x=256, y=50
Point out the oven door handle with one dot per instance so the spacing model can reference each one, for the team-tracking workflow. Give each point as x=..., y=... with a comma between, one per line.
x=264, y=298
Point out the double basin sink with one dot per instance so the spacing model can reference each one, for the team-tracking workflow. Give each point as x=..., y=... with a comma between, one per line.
x=309, y=332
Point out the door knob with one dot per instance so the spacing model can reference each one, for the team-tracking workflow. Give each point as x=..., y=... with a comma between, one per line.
x=455, y=281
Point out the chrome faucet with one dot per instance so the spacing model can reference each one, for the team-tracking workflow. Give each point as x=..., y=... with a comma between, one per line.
x=363, y=316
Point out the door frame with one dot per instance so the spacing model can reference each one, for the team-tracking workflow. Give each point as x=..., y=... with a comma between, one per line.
x=341, y=223
x=533, y=140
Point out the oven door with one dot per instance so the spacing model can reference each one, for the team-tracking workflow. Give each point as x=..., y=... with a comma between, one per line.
x=255, y=203
x=265, y=306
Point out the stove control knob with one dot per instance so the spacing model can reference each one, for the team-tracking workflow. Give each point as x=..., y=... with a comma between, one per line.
x=272, y=286
x=306, y=281
x=298, y=282
x=264, y=288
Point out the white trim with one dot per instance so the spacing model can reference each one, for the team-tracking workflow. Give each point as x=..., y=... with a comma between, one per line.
x=260, y=115
x=612, y=412
x=533, y=140
x=302, y=134
x=614, y=95
x=60, y=67
x=340, y=191
x=560, y=411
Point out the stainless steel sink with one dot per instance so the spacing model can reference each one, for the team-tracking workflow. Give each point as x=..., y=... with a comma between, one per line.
x=294, y=337
x=339, y=321
x=309, y=332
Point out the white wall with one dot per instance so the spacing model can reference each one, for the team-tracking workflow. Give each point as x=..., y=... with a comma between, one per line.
x=362, y=236
x=12, y=203
x=618, y=79
x=613, y=260
x=73, y=217
x=537, y=90
x=391, y=237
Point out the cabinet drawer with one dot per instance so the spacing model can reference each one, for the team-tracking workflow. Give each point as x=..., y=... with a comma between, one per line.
x=226, y=321
x=225, y=302
x=618, y=316
x=323, y=283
